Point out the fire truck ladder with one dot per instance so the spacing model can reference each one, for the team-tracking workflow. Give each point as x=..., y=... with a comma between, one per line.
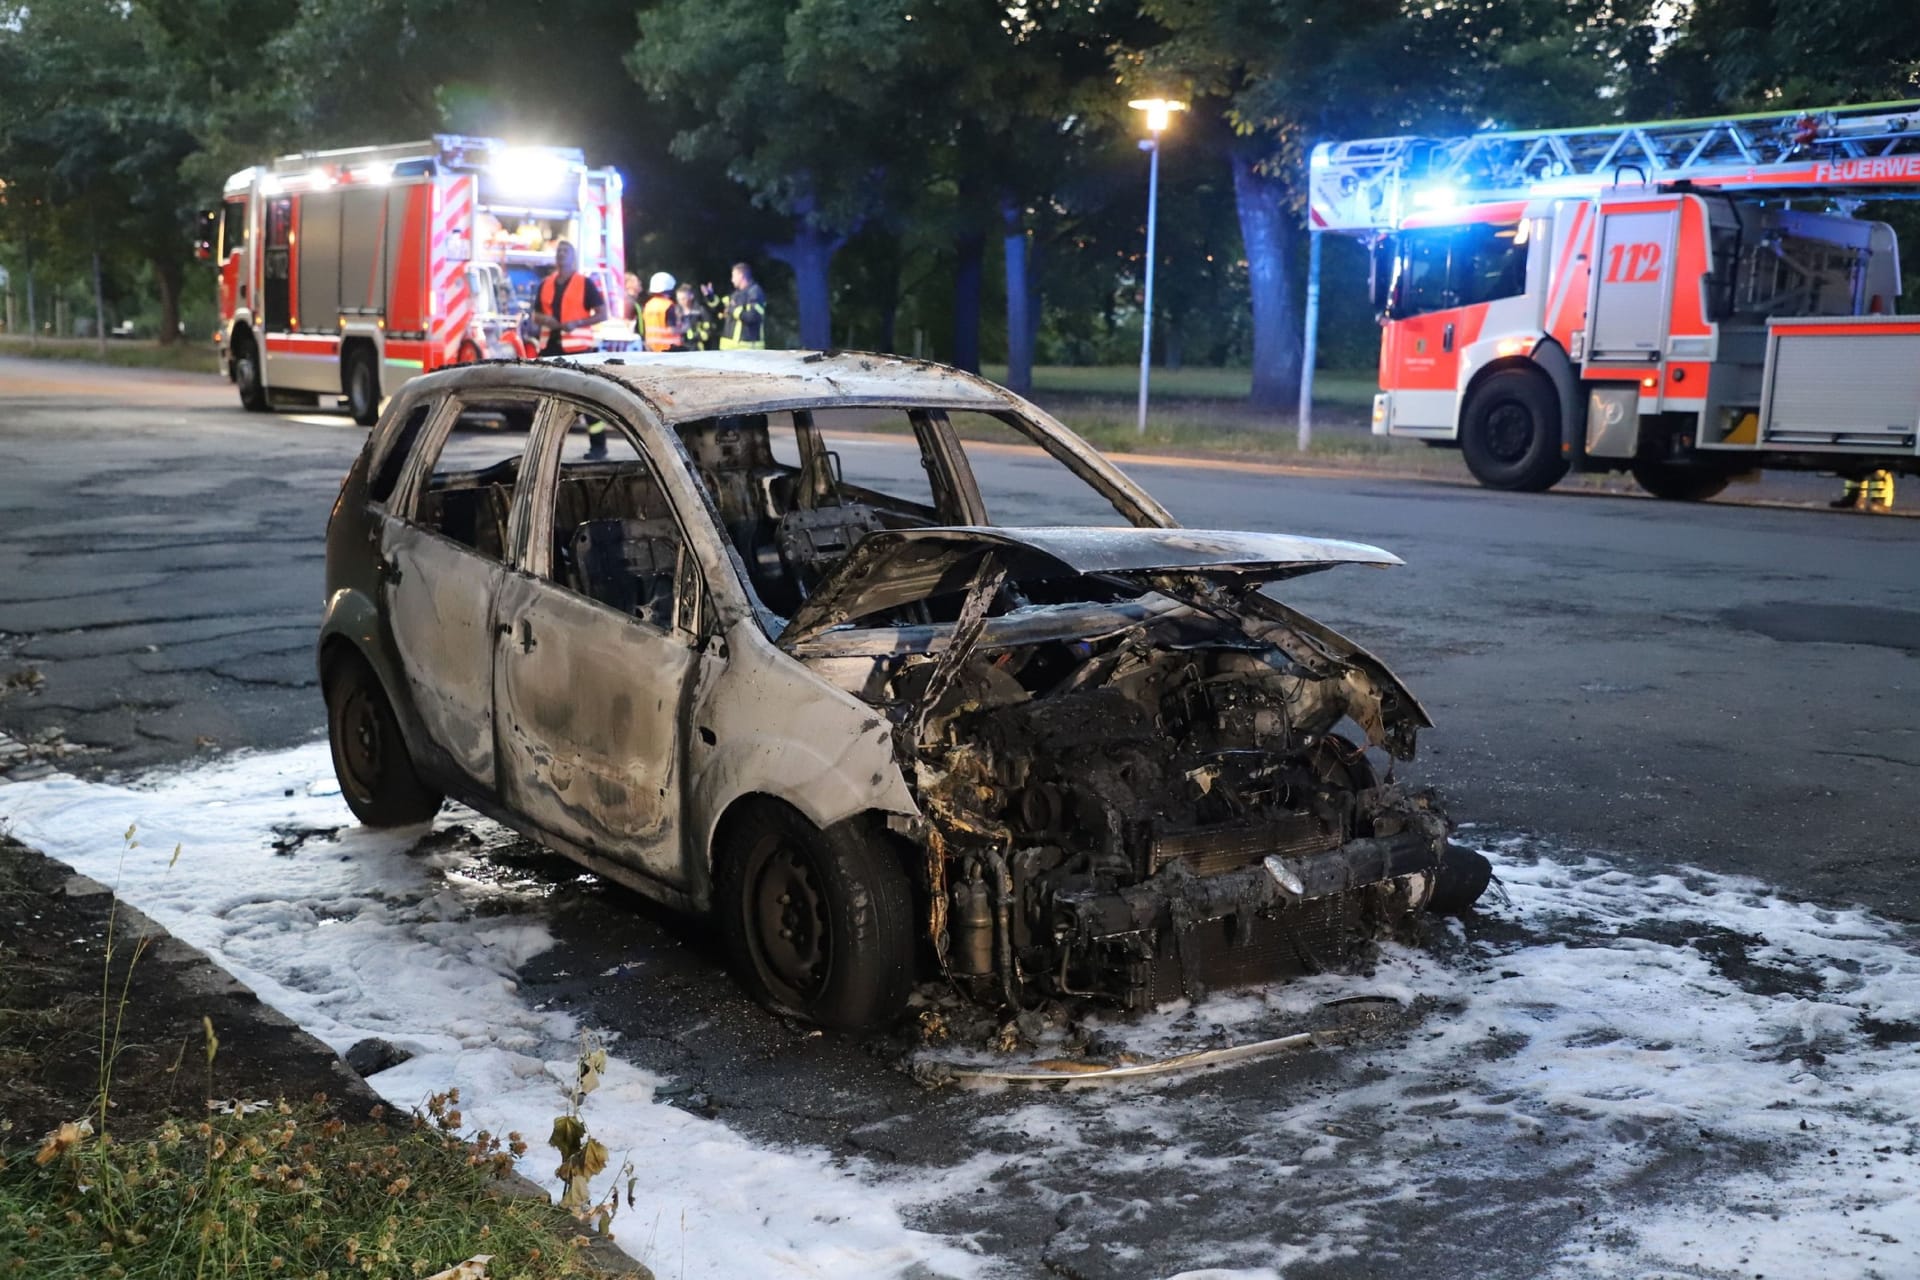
x=1369, y=186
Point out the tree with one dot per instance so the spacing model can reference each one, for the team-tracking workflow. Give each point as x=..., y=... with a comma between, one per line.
x=1286, y=74
x=770, y=99
x=92, y=137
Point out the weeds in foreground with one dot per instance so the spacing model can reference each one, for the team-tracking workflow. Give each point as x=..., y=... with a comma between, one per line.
x=268, y=1190
x=258, y=1190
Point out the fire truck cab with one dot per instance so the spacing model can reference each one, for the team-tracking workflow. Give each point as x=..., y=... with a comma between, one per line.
x=346, y=273
x=1687, y=330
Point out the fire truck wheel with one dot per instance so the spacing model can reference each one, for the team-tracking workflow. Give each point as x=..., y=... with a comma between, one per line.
x=363, y=387
x=246, y=376
x=1510, y=433
x=1677, y=482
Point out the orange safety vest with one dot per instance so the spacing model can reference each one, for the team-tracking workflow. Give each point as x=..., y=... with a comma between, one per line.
x=662, y=330
x=573, y=306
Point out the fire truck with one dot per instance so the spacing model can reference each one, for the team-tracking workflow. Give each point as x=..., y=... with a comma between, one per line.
x=345, y=273
x=1689, y=301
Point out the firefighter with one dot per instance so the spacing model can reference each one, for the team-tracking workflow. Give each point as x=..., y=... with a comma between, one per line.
x=697, y=325
x=1871, y=492
x=567, y=306
x=660, y=319
x=743, y=316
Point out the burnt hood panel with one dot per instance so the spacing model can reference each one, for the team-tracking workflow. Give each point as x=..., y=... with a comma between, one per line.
x=894, y=567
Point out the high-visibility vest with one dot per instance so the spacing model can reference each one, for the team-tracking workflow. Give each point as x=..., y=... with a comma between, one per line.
x=573, y=306
x=662, y=326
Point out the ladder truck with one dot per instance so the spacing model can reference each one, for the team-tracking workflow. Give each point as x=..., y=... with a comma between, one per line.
x=1690, y=301
x=346, y=273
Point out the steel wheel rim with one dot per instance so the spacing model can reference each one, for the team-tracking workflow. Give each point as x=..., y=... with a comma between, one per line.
x=362, y=742
x=788, y=922
x=1509, y=431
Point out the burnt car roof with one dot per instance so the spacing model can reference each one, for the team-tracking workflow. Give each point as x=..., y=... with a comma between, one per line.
x=685, y=386
x=891, y=567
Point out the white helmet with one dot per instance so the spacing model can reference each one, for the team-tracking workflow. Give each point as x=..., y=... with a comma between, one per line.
x=661, y=283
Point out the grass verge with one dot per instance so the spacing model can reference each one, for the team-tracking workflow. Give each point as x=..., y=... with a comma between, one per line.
x=277, y=1191
x=184, y=356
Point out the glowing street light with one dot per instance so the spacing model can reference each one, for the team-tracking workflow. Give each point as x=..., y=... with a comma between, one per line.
x=1159, y=115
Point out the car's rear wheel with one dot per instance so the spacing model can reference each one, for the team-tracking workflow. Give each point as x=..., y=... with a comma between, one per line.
x=1510, y=432
x=370, y=756
x=363, y=386
x=819, y=923
x=246, y=376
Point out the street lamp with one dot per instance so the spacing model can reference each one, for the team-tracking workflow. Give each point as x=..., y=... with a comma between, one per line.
x=1159, y=113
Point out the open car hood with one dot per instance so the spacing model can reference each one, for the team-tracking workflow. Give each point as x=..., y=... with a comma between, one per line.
x=898, y=566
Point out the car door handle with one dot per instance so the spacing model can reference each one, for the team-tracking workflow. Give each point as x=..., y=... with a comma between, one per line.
x=1446, y=338
x=526, y=641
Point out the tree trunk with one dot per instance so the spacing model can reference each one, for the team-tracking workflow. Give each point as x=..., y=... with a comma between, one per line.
x=99, y=309
x=890, y=299
x=1019, y=304
x=166, y=275
x=970, y=251
x=810, y=254
x=1267, y=231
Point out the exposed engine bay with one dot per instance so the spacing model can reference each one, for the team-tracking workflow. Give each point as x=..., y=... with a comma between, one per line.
x=1166, y=809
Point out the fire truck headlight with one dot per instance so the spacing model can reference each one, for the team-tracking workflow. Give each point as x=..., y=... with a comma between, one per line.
x=528, y=170
x=1435, y=195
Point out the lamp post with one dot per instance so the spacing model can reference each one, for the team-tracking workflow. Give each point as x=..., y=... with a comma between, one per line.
x=1159, y=112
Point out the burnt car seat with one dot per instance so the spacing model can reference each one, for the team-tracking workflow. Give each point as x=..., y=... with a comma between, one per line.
x=628, y=565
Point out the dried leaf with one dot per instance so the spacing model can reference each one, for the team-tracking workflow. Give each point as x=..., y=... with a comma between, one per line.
x=474, y=1268
x=213, y=1041
x=62, y=1140
x=593, y=1157
x=576, y=1197
x=568, y=1133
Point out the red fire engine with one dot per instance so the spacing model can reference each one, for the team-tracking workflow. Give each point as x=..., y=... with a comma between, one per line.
x=345, y=273
x=1688, y=301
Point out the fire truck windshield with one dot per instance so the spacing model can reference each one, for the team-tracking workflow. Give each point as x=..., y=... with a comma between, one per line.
x=1441, y=268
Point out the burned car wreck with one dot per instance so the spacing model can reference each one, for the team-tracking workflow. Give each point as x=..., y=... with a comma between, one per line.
x=872, y=722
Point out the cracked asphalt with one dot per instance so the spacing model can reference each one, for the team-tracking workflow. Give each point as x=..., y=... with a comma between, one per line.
x=1727, y=686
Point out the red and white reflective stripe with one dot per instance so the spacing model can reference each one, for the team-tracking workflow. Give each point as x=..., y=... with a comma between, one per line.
x=452, y=307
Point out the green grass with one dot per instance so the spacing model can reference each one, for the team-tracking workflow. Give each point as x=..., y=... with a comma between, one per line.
x=1349, y=388
x=186, y=355
x=279, y=1192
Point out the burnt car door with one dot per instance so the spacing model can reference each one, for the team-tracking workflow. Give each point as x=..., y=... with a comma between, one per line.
x=599, y=645
x=443, y=547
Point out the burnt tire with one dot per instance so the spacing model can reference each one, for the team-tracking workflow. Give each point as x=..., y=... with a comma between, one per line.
x=361, y=382
x=1463, y=876
x=370, y=756
x=1510, y=432
x=818, y=923
x=1677, y=482
x=247, y=376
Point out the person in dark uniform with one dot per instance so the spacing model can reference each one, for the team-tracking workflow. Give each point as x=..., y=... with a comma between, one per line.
x=743, y=313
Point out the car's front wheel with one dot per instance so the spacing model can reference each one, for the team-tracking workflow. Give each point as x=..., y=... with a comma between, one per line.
x=370, y=756
x=818, y=922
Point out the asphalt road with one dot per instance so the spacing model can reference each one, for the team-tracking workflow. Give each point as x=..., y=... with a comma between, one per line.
x=1729, y=687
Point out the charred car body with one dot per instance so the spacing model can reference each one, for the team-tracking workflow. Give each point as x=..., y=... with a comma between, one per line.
x=873, y=726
